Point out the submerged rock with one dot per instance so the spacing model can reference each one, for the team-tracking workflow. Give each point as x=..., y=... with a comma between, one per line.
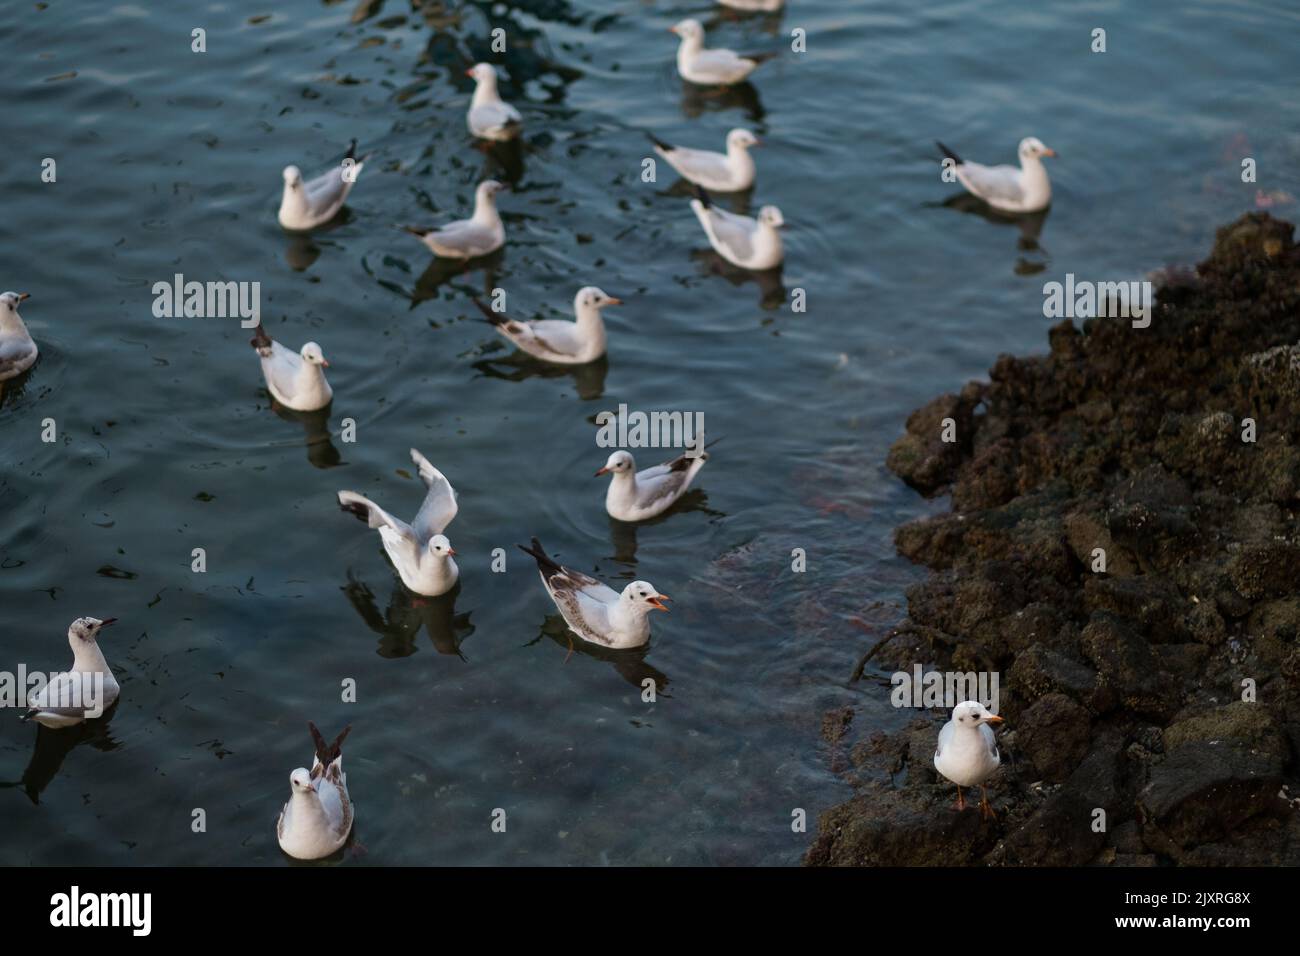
x=1123, y=550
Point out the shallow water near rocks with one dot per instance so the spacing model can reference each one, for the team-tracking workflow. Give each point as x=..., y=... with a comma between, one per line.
x=169, y=162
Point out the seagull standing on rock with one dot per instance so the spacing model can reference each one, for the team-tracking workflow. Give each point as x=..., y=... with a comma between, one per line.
x=716, y=67
x=420, y=551
x=72, y=695
x=729, y=172
x=317, y=818
x=594, y=611
x=306, y=205
x=555, y=340
x=295, y=379
x=1008, y=188
x=968, y=752
x=638, y=495
x=749, y=243
x=482, y=233
x=18, y=350
x=489, y=116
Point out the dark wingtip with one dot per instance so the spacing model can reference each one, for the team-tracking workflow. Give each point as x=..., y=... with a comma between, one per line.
x=416, y=232
x=327, y=753
x=495, y=318
x=260, y=339
x=947, y=152
x=657, y=141
x=702, y=196
x=352, y=150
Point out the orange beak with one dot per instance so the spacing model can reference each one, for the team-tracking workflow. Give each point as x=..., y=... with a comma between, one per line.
x=603, y=471
x=614, y=301
x=994, y=719
x=325, y=362
x=451, y=550
x=1049, y=152
x=657, y=602
x=469, y=73
x=24, y=296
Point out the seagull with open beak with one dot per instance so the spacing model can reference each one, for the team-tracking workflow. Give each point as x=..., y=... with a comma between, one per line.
x=968, y=752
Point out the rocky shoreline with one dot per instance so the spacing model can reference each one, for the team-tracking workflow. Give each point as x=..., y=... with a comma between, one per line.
x=1127, y=690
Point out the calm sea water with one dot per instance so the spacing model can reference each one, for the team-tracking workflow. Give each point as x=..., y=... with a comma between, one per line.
x=169, y=161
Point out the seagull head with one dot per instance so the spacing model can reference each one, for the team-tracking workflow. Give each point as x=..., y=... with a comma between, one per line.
x=688, y=29
x=771, y=216
x=87, y=628
x=618, y=463
x=440, y=546
x=292, y=177
x=488, y=189
x=971, y=713
x=590, y=297
x=300, y=780
x=312, y=355
x=482, y=73
x=643, y=597
x=741, y=139
x=1031, y=147
x=10, y=300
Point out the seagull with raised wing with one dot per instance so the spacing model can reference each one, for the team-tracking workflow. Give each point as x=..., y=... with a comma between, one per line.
x=741, y=240
x=489, y=116
x=423, y=556
x=317, y=818
x=482, y=233
x=556, y=340
x=710, y=67
x=295, y=379
x=1008, y=188
x=595, y=611
x=637, y=495
x=729, y=172
x=18, y=350
x=306, y=205
x=86, y=691
x=968, y=752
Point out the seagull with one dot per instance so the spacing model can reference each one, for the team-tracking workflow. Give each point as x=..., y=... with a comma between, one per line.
x=558, y=341
x=1007, y=188
x=295, y=379
x=710, y=67
x=637, y=495
x=595, y=612
x=317, y=818
x=419, y=550
x=742, y=241
x=768, y=6
x=306, y=205
x=489, y=116
x=968, y=752
x=17, y=348
x=89, y=689
x=469, y=238
x=729, y=172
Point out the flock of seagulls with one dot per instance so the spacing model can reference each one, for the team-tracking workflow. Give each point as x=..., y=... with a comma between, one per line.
x=317, y=819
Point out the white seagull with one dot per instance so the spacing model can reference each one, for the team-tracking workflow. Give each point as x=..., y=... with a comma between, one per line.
x=317, y=818
x=555, y=340
x=594, y=611
x=742, y=241
x=968, y=752
x=767, y=6
x=420, y=551
x=469, y=238
x=1006, y=188
x=718, y=67
x=637, y=495
x=729, y=172
x=89, y=689
x=306, y=205
x=17, y=347
x=295, y=379
x=489, y=116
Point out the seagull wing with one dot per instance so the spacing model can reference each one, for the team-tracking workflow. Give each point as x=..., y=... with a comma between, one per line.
x=995, y=184
x=734, y=232
x=945, y=737
x=697, y=163
x=57, y=696
x=281, y=366
x=439, y=507
x=990, y=741
x=373, y=515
